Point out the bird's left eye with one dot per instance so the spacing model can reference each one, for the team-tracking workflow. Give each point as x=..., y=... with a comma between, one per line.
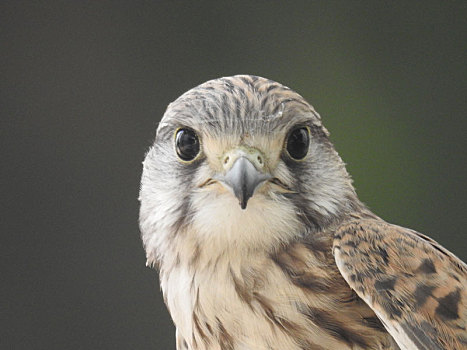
x=186, y=144
x=298, y=143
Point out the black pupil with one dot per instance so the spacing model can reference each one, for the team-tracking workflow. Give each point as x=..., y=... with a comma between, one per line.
x=187, y=144
x=298, y=142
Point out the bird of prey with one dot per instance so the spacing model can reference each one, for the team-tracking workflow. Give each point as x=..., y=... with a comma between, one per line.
x=261, y=242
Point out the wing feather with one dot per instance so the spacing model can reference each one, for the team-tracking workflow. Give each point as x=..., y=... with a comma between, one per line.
x=417, y=288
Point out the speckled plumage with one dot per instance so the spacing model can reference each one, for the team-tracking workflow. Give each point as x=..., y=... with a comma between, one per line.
x=306, y=265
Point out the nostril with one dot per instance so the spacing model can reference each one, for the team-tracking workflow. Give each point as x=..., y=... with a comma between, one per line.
x=226, y=159
x=260, y=160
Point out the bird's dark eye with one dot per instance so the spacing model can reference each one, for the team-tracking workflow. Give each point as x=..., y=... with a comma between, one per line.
x=298, y=143
x=186, y=144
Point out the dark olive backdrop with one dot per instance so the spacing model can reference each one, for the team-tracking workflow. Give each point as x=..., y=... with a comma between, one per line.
x=83, y=85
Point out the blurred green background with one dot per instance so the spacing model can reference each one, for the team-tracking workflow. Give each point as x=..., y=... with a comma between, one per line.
x=83, y=85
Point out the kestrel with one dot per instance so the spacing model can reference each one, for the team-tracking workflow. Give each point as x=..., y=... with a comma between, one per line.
x=261, y=242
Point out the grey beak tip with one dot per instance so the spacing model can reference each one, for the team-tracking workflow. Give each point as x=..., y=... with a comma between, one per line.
x=243, y=179
x=243, y=196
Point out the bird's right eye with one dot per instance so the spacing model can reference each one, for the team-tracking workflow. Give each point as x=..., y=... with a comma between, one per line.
x=186, y=144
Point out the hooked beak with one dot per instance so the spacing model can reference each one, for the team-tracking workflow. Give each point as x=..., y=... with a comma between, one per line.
x=242, y=175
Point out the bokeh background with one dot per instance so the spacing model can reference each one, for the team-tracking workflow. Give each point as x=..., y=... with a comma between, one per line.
x=84, y=83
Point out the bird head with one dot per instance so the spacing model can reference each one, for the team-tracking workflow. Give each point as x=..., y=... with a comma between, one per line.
x=241, y=161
